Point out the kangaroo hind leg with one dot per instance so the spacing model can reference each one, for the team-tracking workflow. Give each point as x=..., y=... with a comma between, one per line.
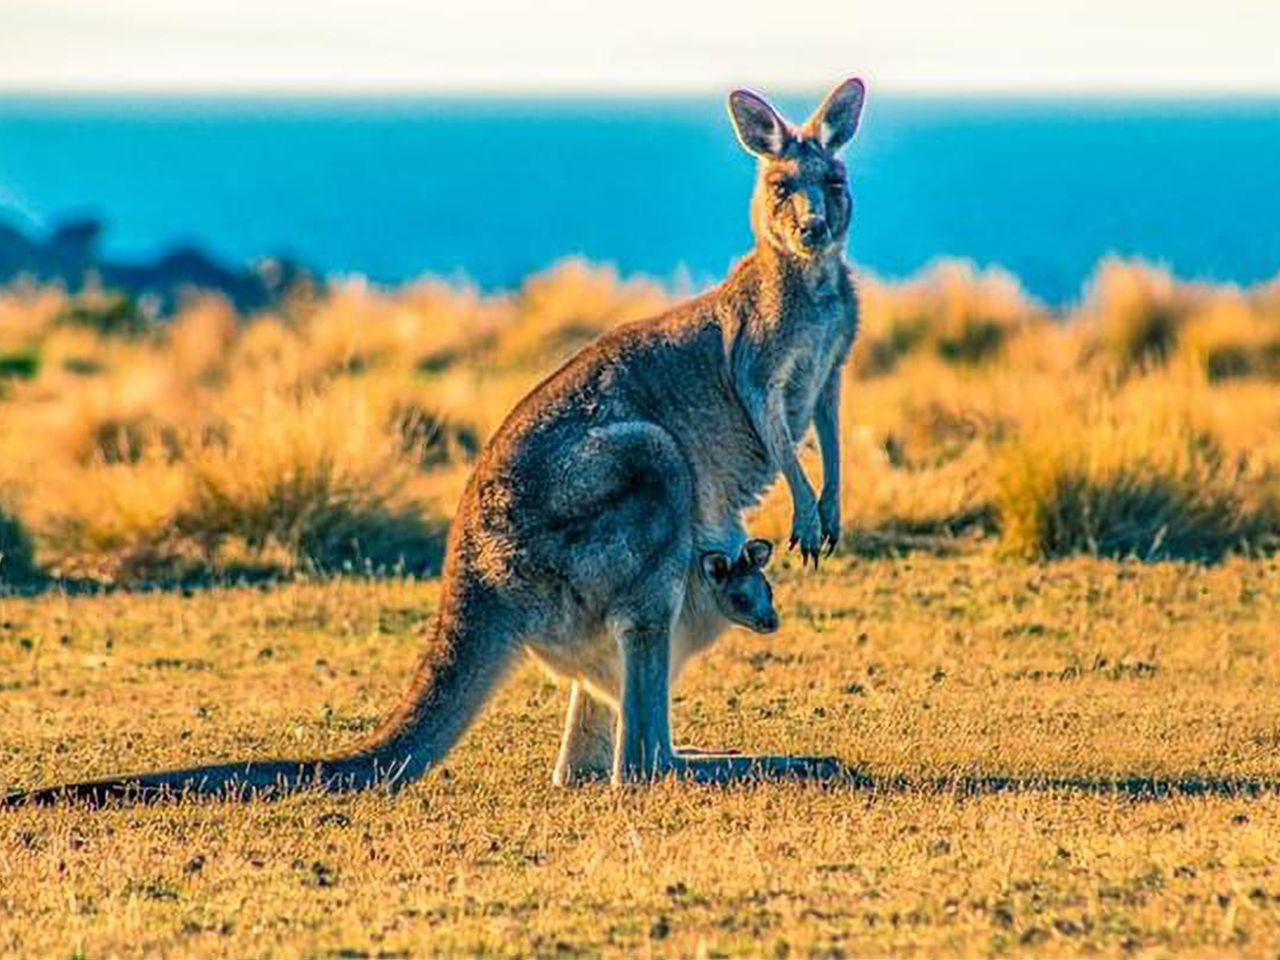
x=586, y=749
x=643, y=750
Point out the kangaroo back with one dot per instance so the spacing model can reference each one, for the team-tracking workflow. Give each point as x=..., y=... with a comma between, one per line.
x=472, y=649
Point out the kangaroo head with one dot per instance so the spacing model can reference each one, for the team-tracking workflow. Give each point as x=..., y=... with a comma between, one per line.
x=801, y=204
x=740, y=588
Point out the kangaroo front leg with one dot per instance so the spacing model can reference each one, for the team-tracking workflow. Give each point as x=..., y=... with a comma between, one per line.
x=826, y=422
x=642, y=750
x=765, y=406
x=586, y=750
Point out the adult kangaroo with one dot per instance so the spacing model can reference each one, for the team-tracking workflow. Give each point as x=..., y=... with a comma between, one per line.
x=579, y=532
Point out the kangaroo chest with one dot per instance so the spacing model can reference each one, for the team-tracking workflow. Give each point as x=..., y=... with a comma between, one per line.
x=819, y=345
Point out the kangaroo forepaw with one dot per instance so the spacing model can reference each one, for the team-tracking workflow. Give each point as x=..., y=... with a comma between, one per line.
x=806, y=532
x=829, y=516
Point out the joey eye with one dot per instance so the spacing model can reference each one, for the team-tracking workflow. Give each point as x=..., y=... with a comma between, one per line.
x=779, y=189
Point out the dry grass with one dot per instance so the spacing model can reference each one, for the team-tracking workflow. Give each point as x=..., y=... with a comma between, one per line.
x=1002, y=712
x=951, y=310
x=1116, y=490
x=1089, y=670
x=337, y=431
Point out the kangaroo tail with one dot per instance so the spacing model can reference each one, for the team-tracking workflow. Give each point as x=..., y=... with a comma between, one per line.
x=458, y=672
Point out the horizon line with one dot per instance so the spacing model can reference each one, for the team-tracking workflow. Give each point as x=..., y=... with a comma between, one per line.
x=625, y=93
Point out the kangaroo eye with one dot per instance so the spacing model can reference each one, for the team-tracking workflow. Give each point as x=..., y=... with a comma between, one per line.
x=835, y=186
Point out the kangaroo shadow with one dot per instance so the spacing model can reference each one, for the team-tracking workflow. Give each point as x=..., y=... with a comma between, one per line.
x=1132, y=787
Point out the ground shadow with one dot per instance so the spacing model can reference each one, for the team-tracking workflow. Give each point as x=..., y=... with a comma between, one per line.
x=417, y=552
x=1135, y=787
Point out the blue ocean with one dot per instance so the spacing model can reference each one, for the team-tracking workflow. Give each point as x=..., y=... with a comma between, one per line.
x=492, y=189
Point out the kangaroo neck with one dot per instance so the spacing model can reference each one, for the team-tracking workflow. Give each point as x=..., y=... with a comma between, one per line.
x=784, y=277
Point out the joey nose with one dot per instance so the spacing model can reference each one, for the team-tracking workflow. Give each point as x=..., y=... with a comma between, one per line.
x=814, y=231
x=769, y=623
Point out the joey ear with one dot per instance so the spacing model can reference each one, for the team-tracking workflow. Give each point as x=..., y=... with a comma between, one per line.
x=757, y=553
x=716, y=566
x=759, y=127
x=836, y=121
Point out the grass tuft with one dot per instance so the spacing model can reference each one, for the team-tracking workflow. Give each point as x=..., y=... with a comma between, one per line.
x=107, y=312
x=951, y=310
x=1121, y=492
x=1134, y=312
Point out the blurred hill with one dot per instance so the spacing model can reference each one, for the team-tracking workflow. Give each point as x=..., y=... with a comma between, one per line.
x=70, y=256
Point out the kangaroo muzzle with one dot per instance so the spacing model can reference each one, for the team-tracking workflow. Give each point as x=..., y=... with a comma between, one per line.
x=814, y=232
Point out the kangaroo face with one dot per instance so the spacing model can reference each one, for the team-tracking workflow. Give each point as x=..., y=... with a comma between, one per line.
x=801, y=205
x=740, y=588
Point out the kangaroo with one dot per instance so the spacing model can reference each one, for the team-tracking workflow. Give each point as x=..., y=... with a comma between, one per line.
x=580, y=519
x=721, y=591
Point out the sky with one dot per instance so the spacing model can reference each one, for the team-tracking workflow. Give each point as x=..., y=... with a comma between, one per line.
x=638, y=46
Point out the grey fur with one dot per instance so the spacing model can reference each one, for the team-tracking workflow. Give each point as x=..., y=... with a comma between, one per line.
x=575, y=537
x=721, y=591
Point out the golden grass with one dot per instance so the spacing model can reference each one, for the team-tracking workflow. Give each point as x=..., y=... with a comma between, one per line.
x=1086, y=670
x=950, y=310
x=1126, y=489
x=337, y=431
x=1002, y=712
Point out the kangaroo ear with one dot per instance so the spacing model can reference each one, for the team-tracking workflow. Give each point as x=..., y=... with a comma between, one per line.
x=716, y=566
x=760, y=128
x=757, y=553
x=836, y=121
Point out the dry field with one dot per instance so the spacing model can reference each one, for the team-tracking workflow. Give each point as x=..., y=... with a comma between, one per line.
x=962, y=689
x=1047, y=646
x=334, y=433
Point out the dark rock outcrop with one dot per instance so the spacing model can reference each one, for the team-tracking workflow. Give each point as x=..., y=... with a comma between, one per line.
x=70, y=256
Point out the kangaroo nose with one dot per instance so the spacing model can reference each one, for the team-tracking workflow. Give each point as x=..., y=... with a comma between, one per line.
x=769, y=623
x=814, y=231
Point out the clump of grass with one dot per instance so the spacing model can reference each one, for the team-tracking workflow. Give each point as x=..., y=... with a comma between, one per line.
x=26, y=312
x=933, y=431
x=915, y=468
x=199, y=340
x=1133, y=313
x=1230, y=340
x=20, y=365
x=429, y=439
x=561, y=309
x=285, y=481
x=111, y=523
x=1121, y=491
x=107, y=312
x=952, y=310
x=321, y=479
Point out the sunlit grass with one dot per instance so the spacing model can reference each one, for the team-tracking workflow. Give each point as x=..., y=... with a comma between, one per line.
x=1091, y=671
x=983, y=435
x=338, y=429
